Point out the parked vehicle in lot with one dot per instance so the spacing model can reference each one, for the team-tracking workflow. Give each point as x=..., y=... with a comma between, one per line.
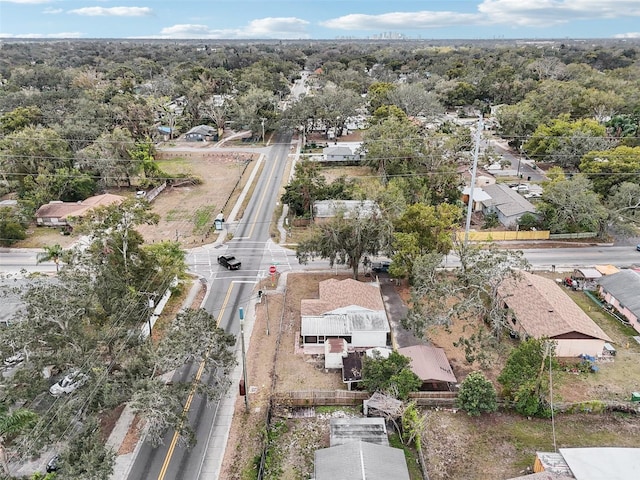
x=229, y=261
x=69, y=383
x=521, y=188
x=14, y=360
x=380, y=267
x=53, y=465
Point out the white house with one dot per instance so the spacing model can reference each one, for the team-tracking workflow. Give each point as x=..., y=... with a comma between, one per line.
x=508, y=204
x=347, y=309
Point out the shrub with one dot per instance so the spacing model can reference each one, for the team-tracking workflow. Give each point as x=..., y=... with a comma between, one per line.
x=477, y=395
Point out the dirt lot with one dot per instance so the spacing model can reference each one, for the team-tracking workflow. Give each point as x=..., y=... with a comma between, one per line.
x=456, y=446
x=186, y=212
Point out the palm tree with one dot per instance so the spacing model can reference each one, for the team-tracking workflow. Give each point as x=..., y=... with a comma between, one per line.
x=53, y=252
x=12, y=423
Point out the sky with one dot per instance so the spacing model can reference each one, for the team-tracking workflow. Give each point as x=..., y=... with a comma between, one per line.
x=320, y=19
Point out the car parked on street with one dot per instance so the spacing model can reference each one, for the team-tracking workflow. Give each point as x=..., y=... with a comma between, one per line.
x=638, y=247
x=229, y=262
x=69, y=383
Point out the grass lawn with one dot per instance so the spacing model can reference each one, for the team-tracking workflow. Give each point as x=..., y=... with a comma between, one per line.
x=503, y=445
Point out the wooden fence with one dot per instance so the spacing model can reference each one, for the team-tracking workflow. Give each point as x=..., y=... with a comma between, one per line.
x=434, y=399
x=523, y=235
x=315, y=398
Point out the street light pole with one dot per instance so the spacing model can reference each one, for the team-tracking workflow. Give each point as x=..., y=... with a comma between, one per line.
x=244, y=361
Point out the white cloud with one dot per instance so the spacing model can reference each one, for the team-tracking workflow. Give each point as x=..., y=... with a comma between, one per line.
x=52, y=11
x=627, y=35
x=43, y=35
x=113, y=11
x=277, y=28
x=401, y=20
x=553, y=12
x=531, y=13
x=282, y=27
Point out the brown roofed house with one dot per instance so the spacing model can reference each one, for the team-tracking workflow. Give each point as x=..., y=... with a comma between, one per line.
x=539, y=307
x=56, y=214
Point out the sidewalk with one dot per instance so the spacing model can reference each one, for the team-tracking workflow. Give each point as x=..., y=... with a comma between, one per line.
x=123, y=425
x=219, y=432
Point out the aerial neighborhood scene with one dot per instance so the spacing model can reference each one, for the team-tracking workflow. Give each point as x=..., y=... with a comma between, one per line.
x=319, y=240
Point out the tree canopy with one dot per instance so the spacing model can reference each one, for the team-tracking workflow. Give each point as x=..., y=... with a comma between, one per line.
x=391, y=375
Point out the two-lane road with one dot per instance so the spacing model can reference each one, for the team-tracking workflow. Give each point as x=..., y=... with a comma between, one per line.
x=228, y=291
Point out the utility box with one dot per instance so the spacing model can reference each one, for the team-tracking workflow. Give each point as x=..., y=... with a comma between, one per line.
x=219, y=221
x=635, y=396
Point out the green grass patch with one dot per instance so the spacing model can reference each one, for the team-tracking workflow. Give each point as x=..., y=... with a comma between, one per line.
x=329, y=409
x=174, y=215
x=273, y=460
x=410, y=455
x=203, y=218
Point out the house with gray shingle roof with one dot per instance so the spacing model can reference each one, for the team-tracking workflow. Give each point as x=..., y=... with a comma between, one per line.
x=508, y=204
x=339, y=154
x=345, y=309
x=622, y=291
x=538, y=307
x=360, y=461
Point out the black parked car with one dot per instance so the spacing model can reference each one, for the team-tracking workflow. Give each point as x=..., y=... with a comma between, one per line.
x=380, y=267
x=229, y=261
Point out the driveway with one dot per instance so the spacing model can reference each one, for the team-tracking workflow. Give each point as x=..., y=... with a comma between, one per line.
x=396, y=311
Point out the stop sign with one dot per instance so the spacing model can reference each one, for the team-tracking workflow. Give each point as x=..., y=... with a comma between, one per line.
x=272, y=269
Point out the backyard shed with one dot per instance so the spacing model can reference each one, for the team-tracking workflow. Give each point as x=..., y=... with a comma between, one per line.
x=431, y=365
x=345, y=430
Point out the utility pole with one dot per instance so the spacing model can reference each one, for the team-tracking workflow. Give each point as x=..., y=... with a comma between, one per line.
x=476, y=151
x=266, y=303
x=244, y=360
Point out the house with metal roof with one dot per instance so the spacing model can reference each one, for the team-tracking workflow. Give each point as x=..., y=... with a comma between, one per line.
x=622, y=291
x=351, y=429
x=360, y=460
x=202, y=133
x=346, y=309
x=508, y=204
x=538, y=307
x=591, y=463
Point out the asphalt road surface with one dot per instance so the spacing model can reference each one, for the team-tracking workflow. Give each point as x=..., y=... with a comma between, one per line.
x=229, y=290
